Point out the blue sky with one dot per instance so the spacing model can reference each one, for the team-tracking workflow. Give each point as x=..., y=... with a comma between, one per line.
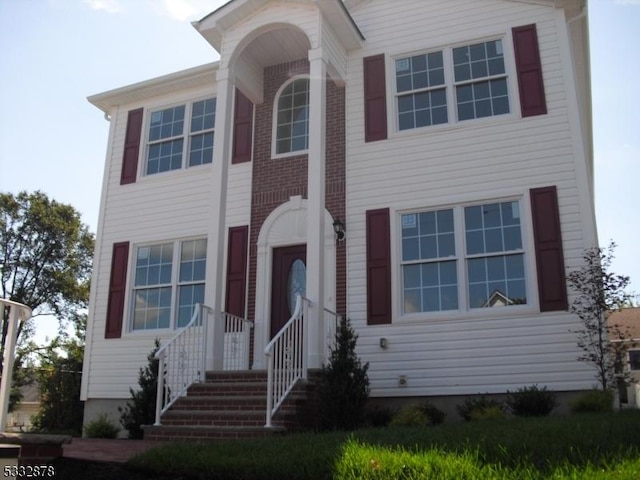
x=55, y=53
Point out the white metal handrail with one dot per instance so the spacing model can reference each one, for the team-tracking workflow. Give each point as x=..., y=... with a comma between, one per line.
x=181, y=361
x=332, y=321
x=237, y=338
x=17, y=313
x=287, y=358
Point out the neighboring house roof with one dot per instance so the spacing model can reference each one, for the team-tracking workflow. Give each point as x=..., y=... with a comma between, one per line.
x=628, y=319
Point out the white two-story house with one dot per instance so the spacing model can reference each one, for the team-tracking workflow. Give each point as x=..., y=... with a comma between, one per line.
x=423, y=167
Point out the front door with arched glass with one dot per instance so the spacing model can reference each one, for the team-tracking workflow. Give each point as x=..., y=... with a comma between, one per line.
x=288, y=279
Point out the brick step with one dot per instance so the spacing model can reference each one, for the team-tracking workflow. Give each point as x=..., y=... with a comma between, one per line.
x=238, y=376
x=228, y=389
x=215, y=402
x=194, y=433
x=217, y=418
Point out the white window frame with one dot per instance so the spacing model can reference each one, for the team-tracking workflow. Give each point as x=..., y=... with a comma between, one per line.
x=186, y=135
x=174, y=284
x=393, y=116
x=274, y=128
x=629, y=359
x=464, y=310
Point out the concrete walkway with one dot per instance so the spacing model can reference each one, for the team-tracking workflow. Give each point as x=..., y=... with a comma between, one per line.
x=105, y=450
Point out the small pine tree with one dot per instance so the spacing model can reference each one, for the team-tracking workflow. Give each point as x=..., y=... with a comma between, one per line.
x=343, y=386
x=141, y=409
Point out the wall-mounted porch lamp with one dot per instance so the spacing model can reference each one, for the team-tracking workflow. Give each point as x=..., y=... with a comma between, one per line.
x=338, y=228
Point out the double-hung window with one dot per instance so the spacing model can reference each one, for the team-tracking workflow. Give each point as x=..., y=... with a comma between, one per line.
x=176, y=133
x=168, y=282
x=495, y=257
x=459, y=83
x=429, y=270
x=462, y=258
x=480, y=80
x=422, y=94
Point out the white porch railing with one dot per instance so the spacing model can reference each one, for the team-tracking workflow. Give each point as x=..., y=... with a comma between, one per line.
x=331, y=322
x=287, y=358
x=16, y=312
x=181, y=361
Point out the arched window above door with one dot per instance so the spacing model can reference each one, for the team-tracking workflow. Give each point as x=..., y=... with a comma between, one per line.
x=291, y=124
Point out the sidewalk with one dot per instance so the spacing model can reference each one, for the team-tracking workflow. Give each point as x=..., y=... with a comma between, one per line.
x=105, y=450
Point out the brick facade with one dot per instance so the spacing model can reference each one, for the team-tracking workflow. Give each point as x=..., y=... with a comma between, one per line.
x=276, y=180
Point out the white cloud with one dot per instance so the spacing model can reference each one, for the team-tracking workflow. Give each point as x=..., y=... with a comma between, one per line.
x=628, y=2
x=190, y=9
x=109, y=6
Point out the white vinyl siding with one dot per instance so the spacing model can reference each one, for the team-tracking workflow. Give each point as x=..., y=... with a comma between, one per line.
x=460, y=163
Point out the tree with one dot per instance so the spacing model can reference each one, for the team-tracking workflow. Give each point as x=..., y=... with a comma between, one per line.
x=59, y=377
x=46, y=254
x=599, y=294
x=141, y=409
x=343, y=386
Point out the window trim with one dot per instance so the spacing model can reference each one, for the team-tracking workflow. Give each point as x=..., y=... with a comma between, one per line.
x=464, y=312
x=629, y=365
x=452, y=113
x=274, y=118
x=174, y=284
x=186, y=134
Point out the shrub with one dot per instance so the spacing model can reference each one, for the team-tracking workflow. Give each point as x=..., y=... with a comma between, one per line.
x=436, y=416
x=593, y=401
x=424, y=414
x=377, y=416
x=410, y=416
x=141, y=409
x=490, y=412
x=343, y=385
x=101, y=427
x=531, y=401
x=480, y=407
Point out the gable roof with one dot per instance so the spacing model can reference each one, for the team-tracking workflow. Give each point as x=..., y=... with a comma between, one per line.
x=213, y=25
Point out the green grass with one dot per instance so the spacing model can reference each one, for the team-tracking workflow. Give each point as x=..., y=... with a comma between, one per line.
x=605, y=446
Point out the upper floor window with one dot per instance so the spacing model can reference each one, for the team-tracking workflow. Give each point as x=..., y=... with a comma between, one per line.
x=634, y=359
x=480, y=80
x=292, y=118
x=168, y=282
x=462, y=83
x=462, y=258
x=183, y=131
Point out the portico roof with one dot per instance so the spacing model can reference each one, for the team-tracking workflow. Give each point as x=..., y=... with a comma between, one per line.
x=213, y=26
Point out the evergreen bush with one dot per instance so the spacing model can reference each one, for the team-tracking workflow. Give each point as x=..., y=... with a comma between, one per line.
x=141, y=409
x=343, y=385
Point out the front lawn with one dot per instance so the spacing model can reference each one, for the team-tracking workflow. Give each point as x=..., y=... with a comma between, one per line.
x=603, y=446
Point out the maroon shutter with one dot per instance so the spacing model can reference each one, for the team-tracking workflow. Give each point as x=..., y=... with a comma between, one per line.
x=375, y=99
x=117, y=289
x=242, y=129
x=131, y=147
x=378, y=267
x=237, y=270
x=552, y=286
x=529, y=70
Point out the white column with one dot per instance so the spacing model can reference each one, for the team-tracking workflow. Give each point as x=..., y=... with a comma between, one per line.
x=217, y=223
x=316, y=204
